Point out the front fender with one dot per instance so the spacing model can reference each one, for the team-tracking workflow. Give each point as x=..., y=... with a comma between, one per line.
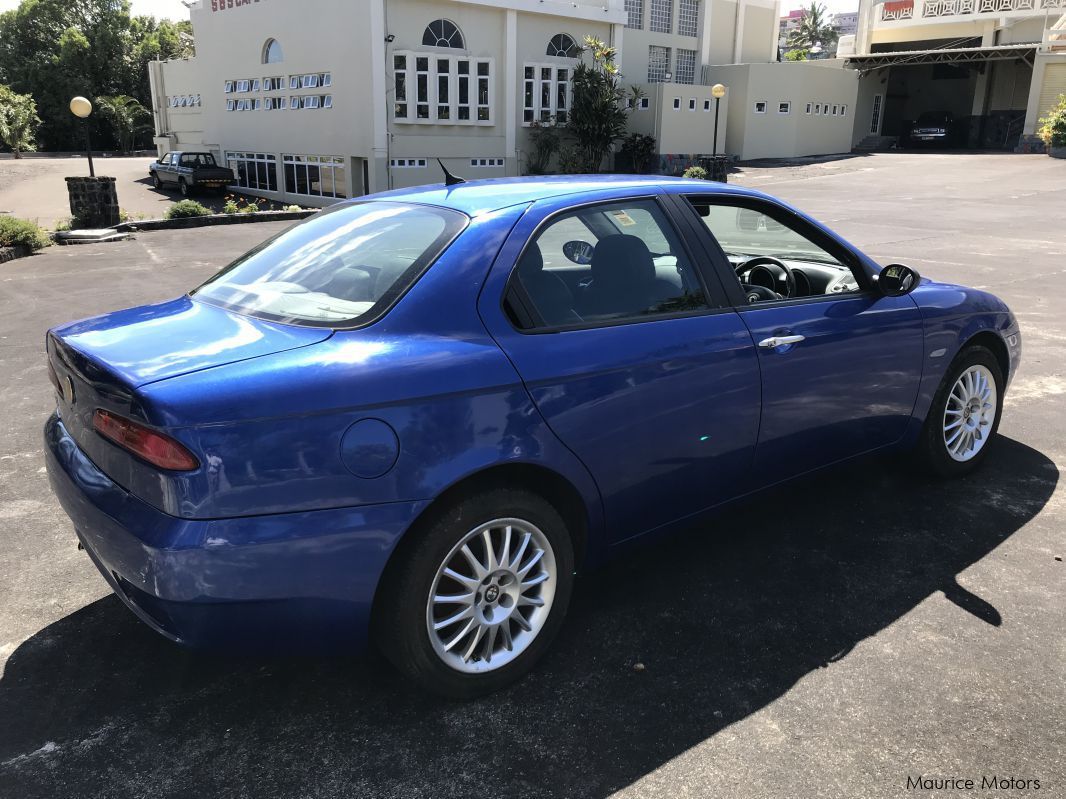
x=952, y=316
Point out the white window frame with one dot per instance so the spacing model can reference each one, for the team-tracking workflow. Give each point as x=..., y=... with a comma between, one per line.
x=817, y=109
x=677, y=104
x=835, y=109
x=332, y=163
x=877, y=112
x=844, y=110
x=294, y=82
x=408, y=163
x=810, y=109
x=254, y=158
x=764, y=105
x=228, y=87
x=644, y=104
x=535, y=108
x=255, y=84
x=493, y=163
x=229, y=105
x=243, y=85
x=473, y=104
x=786, y=105
x=706, y=105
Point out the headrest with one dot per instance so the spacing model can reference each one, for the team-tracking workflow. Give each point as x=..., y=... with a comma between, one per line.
x=622, y=258
x=532, y=262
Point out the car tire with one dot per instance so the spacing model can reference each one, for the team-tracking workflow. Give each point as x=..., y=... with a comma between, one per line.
x=183, y=187
x=459, y=665
x=964, y=415
x=156, y=182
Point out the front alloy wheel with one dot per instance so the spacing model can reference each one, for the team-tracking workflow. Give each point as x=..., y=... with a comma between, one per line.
x=492, y=595
x=970, y=413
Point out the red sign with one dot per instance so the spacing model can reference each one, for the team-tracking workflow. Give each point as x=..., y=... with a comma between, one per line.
x=898, y=5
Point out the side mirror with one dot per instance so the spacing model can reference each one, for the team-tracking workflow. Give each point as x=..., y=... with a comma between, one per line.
x=895, y=280
x=579, y=252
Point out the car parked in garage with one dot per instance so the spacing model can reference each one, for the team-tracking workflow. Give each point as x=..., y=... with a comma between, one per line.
x=933, y=128
x=415, y=416
x=189, y=172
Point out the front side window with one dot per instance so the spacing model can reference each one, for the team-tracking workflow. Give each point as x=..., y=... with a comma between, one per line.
x=771, y=258
x=620, y=261
x=342, y=266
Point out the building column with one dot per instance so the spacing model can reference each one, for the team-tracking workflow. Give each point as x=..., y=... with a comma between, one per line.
x=738, y=32
x=705, y=33
x=510, y=73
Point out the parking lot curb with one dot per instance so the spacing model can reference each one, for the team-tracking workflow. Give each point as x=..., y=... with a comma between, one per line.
x=11, y=253
x=213, y=219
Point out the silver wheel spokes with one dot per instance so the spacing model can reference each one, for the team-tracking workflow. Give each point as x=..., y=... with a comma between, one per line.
x=970, y=413
x=491, y=596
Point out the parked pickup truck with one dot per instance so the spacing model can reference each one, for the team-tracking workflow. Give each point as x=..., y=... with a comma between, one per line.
x=189, y=171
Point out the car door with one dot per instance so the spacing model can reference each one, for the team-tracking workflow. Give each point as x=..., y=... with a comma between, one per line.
x=637, y=365
x=169, y=168
x=840, y=362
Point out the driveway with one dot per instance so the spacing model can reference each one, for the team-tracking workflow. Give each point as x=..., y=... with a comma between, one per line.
x=33, y=188
x=830, y=639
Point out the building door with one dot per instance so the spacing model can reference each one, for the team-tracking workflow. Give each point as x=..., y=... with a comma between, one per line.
x=875, y=114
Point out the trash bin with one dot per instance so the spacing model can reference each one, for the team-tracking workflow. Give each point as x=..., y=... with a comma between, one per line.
x=717, y=167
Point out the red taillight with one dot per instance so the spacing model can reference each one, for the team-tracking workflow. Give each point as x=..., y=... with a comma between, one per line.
x=156, y=448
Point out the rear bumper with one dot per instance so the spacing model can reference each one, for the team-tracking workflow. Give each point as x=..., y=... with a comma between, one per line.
x=263, y=582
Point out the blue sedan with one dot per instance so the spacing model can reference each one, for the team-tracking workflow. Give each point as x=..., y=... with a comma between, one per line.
x=415, y=416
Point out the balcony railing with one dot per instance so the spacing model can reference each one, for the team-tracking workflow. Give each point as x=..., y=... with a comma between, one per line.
x=913, y=9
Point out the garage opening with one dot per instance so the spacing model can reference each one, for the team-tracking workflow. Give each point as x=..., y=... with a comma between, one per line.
x=949, y=94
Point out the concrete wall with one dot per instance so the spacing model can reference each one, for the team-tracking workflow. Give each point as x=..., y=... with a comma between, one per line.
x=684, y=130
x=778, y=134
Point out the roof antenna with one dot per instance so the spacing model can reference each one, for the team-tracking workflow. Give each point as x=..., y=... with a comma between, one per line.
x=449, y=178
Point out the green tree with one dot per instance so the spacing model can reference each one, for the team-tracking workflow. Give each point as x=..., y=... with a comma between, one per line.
x=597, y=114
x=814, y=30
x=18, y=121
x=127, y=116
x=797, y=55
x=56, y=49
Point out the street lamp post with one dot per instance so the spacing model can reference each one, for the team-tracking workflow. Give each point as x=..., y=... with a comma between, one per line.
x=717, y=92
x=81, y=108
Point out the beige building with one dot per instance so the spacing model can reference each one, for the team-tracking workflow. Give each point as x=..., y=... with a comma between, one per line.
x=311, y=102
x=996, y=66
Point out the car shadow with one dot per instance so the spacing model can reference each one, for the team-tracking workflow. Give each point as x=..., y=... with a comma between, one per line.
x=726, y=618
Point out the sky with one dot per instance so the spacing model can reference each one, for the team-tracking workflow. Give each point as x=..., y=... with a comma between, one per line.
x=171, y=9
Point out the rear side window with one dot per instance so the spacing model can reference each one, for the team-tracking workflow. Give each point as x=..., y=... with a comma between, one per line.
x=342, y=267
x=614, y=262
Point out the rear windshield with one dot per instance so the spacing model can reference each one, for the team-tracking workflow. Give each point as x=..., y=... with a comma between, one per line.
x=341, y=267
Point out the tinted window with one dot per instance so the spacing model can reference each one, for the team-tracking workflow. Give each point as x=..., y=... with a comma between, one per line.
x=602, y=263
x=340, y=266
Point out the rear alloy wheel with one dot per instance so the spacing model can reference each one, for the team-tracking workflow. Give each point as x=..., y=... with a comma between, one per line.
x=478, y=593
x=964, y=414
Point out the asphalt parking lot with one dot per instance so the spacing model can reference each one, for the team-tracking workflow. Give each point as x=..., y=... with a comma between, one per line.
x=830, y=639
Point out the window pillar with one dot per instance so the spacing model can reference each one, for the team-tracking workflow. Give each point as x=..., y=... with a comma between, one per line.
x=510, y=70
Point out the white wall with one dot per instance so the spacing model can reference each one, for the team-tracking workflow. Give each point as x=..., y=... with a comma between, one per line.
x=777, y=134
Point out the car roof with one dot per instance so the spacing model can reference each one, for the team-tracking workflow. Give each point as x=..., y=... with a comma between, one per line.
x=475, y=197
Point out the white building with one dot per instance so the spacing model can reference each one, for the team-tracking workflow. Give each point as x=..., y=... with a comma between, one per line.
x=996, y=65
x=310, y=102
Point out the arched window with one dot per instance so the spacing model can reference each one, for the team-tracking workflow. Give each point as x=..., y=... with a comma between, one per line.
x=442, y=33
x=272, y=52
x=562, y=45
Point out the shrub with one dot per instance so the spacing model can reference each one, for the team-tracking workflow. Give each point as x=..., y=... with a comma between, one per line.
x=293, y=208
x=186, y=209
x=15, y=232
x=570, y=161
x=1053, y=127
x=64, y=224
x=545, y=140
x=638, y=149
x=230, y=206
x=697, y=172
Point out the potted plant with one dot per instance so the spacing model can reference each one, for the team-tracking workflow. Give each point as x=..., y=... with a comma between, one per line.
x=1053, y=129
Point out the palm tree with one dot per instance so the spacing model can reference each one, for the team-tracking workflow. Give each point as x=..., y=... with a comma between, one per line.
x=127, y=116
x=814, y=29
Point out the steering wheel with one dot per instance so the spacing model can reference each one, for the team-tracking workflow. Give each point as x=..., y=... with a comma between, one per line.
x=775, y=268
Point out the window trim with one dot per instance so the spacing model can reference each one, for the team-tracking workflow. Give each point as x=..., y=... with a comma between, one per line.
x=454, y=56
x=717, y=301
x=778, y=212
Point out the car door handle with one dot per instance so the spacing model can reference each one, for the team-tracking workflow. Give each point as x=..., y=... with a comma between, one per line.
x=779, y=341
